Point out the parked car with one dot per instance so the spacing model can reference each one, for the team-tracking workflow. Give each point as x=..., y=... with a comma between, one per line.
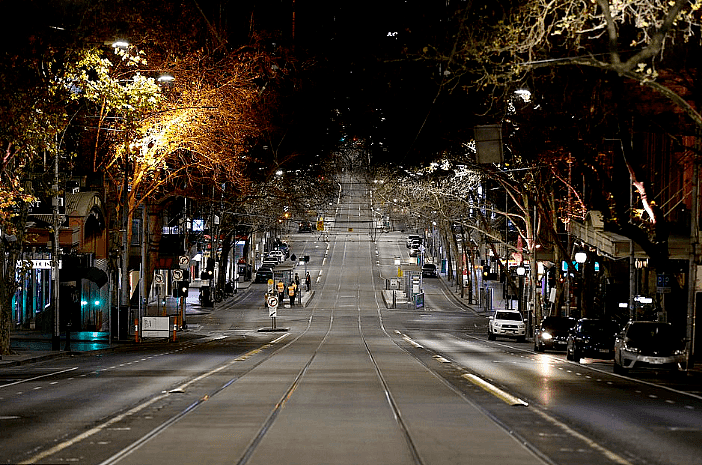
x=414, y=250
x=591, y=338
x=263, y=274
x=507, y=323
x=277, y=254
x=648, y=345
x=304, y=226
x=552, y=333
x=412, y=238
x=429, y=270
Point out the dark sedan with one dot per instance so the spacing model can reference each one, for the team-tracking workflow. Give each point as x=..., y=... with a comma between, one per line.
x=553, y=333
x=429, y=270
x=592, y=338
x=264, y=274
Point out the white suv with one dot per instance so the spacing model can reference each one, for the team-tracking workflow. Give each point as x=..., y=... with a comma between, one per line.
x=507, y=323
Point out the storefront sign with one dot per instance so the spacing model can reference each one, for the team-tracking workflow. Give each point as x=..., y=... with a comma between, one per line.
x=44, y=264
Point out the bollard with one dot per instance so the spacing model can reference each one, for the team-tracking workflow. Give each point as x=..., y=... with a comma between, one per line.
x=136, y=330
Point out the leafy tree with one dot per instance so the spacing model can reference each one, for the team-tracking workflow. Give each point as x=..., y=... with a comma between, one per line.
x=631, y=44
x=36, y=116
x=146, y=142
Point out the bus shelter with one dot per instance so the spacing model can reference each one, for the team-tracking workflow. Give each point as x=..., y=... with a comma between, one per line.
x=284, y=272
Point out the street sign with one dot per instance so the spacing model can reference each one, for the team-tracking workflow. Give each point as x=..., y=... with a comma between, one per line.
x=272, y=301
x=183, y=261
x=663, y=284
x=177, y=275
x=158, y=279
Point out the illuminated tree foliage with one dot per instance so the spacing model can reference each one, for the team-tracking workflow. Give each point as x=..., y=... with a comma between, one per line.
x=35, y=118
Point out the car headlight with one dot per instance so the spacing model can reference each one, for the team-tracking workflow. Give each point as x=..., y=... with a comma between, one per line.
x=546, y=336
x=680, y=352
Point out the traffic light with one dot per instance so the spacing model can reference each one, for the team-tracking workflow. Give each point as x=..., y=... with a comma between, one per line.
x=181, y=289
x=210, y=267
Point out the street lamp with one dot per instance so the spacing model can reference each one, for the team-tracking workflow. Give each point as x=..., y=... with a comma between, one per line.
x=580, y=257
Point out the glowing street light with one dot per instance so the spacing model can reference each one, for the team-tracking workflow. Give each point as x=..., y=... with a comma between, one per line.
x=580, y=257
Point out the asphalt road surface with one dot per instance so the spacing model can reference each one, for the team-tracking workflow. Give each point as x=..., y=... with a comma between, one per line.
x=344, y=380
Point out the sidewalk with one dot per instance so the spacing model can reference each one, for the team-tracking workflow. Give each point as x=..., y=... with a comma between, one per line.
x=30, y=346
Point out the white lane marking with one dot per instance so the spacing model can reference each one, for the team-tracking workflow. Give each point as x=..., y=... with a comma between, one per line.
x=608, y=453
x=411, y=341
x=494, y=390
x=39, y=377
x=59, y=447
x=591, y=443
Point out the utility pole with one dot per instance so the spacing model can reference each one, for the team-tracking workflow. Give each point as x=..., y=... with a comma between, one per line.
x=56, y=202
x=124, y=296
x=692, y=281
x=144, y=302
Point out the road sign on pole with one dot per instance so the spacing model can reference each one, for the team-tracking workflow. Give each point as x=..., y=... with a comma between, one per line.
x=272, y=301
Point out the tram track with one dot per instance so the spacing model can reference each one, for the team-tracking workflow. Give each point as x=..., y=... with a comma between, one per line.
x=397, y=415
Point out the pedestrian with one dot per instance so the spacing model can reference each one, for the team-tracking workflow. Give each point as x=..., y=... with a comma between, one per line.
x=308, y=282
x=281, y=291
x=297, y=281
x=291, y=293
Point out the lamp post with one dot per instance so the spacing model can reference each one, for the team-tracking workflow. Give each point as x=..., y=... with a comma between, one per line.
x=521, y=271
x=580, y=259
x=398, y=264
x=56, y=201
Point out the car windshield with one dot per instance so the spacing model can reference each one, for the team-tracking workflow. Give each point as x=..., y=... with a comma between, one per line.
x=558, y=323
x=598, y=326
x=508, y=316
x=647, y=333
